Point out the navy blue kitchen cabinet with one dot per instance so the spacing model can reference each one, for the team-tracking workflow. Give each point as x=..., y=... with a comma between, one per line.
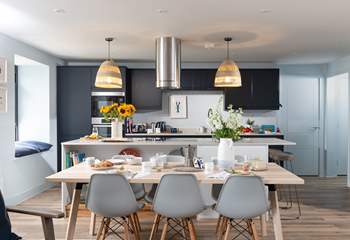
x=260, y=90
x=144, y=93
x=73, y=104
x=198, y=79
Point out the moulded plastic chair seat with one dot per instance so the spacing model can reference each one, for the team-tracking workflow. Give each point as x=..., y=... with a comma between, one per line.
x=110, y=195
x=178, y=196
x=242, y=197
x=168, y=159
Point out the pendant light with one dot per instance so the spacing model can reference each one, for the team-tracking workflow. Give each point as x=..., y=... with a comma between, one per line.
x=108, y=75
x=228, y=74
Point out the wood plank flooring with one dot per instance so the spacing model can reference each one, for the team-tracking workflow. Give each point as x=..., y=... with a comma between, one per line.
x=325, y=208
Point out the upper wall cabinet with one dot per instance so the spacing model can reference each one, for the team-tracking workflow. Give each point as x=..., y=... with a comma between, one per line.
x=198, y=79
x=260, y=90
x=144, y=94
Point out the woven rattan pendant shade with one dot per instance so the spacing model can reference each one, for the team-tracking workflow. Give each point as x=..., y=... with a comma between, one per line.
x=108, y=75
x=228, y=74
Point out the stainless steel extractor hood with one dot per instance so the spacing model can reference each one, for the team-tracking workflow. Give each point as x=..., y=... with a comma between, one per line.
x=168, y=62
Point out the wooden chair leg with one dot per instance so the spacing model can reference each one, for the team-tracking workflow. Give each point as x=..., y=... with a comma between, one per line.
x=105, y=229
x=133, y=227
x=165, y=229
x=100, y=229
x=184, y=228
x=228, y=229
x=126, y=229
x=254, y=232
x=154, y=226
x=191, y=229
x=222, y=228
x=49, y=231
x=92, y=228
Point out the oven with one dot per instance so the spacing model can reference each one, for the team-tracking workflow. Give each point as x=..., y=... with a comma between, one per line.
x=99, y=99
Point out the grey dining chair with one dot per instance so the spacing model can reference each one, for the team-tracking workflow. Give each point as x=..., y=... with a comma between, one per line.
x=169, y=159
x=242, y=198
x=111, y=196
x=177, y=200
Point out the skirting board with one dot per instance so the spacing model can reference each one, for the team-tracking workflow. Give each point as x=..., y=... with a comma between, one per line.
x=28, y=194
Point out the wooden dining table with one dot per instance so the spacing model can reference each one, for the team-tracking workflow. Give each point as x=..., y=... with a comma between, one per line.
x=75, y=177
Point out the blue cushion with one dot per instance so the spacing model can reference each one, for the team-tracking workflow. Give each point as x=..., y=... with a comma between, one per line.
x=40, y=146
x=22, y=150
x=25, y=148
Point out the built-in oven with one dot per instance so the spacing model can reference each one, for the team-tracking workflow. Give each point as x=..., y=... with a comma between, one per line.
x=99, y=99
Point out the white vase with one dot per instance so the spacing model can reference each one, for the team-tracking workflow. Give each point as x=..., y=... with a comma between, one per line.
x=117, y=129
x=226, y=155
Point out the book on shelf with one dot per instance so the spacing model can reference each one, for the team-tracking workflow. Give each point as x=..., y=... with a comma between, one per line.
x=73, y=158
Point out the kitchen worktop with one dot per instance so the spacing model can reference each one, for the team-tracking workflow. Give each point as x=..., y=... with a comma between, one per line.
x=182, y=142
x=193, y=134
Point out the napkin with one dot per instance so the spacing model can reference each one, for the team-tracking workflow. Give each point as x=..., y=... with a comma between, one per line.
x=219, y=175
x=141, y=174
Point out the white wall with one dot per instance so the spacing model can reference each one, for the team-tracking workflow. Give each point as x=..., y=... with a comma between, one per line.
x=20, y=179
x=337, y=122
x=340, y=66
x=33, y=103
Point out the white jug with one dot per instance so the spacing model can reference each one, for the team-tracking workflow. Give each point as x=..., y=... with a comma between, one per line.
x=226, y=156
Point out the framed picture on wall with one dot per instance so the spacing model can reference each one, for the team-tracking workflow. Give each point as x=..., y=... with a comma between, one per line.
x=178, y=106
x=3, y=100
x=3, y=66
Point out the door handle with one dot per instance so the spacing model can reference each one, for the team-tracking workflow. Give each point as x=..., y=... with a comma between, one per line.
x=316, y=128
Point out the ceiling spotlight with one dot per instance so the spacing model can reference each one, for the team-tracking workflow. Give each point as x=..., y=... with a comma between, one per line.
x=59, y=10
x=161, y=11
x=265, y=10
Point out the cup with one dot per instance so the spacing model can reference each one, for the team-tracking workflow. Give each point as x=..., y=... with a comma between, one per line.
x=208, y=167
x=158, y=130
x=90, y=160
x=146, y=167
x=149, y=131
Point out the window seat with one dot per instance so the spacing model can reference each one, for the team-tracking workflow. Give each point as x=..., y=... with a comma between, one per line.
x=25, y=148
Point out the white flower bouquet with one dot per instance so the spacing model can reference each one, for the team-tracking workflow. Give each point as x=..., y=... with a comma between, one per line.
x=225, y=127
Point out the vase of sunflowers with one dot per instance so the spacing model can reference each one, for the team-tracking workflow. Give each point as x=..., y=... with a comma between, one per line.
x=116, y=114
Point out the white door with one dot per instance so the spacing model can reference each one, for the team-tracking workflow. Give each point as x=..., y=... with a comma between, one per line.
x=337, y=122
x=300, y=121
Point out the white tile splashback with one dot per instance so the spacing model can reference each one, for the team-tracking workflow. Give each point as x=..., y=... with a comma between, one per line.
x=198, y=105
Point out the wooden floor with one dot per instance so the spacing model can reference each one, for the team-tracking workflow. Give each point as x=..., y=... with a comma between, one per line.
x=326, y=215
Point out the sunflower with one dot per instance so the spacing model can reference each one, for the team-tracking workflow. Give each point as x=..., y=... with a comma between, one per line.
x=132, y=109
x=123, y=111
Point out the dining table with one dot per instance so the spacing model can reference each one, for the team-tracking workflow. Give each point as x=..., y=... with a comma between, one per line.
x=75, y=177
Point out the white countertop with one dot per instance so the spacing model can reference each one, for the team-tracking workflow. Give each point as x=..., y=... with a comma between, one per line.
x=194, y=134
x=182, y=142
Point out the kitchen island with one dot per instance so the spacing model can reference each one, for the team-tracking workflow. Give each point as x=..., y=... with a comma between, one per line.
x=249, y=148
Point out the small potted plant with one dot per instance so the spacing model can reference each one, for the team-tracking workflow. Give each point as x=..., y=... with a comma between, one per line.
x=116, y=114
x=226, y=128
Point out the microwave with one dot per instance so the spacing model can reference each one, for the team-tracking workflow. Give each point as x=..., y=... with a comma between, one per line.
x=99, y=99
x=103, y=130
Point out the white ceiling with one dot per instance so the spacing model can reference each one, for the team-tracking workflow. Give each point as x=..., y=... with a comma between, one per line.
x=299, y=31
